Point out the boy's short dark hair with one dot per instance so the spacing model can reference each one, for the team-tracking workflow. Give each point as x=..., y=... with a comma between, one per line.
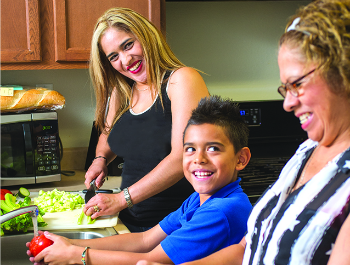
x=224, y=113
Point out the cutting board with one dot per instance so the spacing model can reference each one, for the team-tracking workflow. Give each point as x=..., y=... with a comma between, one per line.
x=69, y=219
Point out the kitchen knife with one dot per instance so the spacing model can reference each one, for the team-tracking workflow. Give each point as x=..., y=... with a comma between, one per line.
x=117, y=190
x=91, y=192
x=99, y=191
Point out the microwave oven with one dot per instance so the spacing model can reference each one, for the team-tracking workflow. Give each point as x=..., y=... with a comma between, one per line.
x=30, y=150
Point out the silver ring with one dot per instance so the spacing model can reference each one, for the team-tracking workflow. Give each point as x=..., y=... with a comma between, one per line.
x=96, y=208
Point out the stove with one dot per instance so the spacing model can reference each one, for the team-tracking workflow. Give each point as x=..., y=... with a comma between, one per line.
x=274, y=136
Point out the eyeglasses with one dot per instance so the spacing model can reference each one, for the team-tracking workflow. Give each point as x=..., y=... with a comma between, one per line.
x=292, y=87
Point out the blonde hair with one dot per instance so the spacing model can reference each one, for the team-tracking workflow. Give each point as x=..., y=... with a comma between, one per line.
x=323, y=37
x=157, y=54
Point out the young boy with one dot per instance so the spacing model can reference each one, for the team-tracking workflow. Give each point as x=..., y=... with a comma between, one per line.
x=215, y=149
x=212, y=218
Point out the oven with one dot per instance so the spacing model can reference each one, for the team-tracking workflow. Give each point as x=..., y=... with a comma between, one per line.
x=274, y=137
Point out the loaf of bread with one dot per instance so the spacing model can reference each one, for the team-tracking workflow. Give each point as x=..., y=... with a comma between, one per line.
x=32, y=99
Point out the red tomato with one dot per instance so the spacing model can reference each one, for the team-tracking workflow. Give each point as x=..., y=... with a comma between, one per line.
x=4, y=191
x=38, y=243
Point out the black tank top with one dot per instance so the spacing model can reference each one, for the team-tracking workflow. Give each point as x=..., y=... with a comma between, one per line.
x=143, y=140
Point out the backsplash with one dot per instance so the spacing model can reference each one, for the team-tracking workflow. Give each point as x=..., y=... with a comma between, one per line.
x=74, y=158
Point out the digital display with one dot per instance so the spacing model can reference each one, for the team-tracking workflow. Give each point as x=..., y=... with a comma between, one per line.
x=252, y=116
x=47, y=127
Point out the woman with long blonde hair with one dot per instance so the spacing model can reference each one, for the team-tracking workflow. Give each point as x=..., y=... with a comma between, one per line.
x=144, y=97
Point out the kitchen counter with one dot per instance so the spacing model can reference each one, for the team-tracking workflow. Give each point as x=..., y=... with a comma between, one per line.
x=74, y=183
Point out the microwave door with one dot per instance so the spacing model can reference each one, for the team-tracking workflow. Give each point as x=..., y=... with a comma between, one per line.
x=16, y=154
x=28, y=145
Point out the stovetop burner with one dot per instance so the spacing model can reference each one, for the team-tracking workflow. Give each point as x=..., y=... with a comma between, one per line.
x=259, y=174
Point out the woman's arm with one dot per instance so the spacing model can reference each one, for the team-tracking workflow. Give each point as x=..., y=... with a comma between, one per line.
x=231, y=255
x=98, y=168
x=340, y=254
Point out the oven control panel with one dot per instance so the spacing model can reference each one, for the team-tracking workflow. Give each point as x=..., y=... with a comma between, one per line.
x=252, y=116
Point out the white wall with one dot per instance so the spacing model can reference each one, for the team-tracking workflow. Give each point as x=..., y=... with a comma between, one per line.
x=235, y=43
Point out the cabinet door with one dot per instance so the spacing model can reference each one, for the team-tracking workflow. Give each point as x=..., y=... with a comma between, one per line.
x=20, y=31
x=74, y=22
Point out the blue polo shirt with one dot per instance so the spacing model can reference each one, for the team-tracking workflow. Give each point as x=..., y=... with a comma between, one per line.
x=196, y=231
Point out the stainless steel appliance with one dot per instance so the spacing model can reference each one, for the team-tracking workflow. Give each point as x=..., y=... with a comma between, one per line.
x=29, y=148
x=274, y=137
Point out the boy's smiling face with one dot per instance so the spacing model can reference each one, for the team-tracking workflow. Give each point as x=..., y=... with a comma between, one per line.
x=209, y=159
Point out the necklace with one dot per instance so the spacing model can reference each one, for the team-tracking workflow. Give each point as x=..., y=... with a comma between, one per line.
x=300, y=182
x=140, y=89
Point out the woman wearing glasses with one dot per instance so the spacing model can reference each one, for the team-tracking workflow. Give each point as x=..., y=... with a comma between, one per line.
x=304, y=217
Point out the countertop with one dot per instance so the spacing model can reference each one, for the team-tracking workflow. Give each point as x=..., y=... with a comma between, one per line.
x=74, y=183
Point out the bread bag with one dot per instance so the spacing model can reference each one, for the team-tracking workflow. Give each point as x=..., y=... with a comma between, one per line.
x=32, y=99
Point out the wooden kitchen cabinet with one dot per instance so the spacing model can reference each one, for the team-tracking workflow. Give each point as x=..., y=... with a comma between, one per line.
x=56, y=34
x=20, y=31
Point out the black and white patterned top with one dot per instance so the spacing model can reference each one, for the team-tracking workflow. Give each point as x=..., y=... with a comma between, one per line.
x=300, y=228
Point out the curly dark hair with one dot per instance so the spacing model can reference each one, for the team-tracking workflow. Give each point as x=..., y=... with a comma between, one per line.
x=224, y=113
x=323, y=36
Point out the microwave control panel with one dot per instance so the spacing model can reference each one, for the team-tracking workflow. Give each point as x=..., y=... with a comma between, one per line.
x=47, y=154
x=47, y=158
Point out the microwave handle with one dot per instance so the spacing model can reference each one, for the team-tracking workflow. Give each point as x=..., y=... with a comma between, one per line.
x=28, y=148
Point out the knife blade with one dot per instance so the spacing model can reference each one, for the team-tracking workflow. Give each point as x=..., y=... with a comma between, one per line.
x=91, y=192
x=100, y=191
x=106, y=191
